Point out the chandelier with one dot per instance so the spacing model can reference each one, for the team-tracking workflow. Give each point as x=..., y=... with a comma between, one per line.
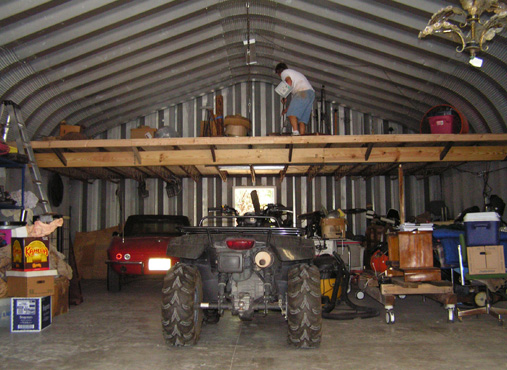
x=469, y=26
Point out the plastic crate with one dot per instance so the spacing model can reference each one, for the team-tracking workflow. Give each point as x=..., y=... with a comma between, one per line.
x=441, y=124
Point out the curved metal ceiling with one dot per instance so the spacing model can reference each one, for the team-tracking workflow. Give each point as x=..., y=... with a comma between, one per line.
x=99, y=63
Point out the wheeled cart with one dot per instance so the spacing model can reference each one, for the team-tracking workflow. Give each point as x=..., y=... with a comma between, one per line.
x=387, y=292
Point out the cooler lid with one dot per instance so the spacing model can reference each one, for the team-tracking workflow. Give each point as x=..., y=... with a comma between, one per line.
x=11, y=224
x=481, y=216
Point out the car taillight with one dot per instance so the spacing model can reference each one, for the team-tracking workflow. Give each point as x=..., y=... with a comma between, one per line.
x=240, y=244
x=119, y=256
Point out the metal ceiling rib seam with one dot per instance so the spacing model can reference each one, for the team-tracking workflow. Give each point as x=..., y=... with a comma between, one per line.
x=493, y=114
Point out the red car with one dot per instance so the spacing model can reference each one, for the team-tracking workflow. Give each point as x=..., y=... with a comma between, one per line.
x=141, y=249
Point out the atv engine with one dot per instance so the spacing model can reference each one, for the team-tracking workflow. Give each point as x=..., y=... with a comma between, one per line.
x=249, y=275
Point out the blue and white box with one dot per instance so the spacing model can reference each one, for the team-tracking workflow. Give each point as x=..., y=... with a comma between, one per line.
x=29, y=314
x=482, y=228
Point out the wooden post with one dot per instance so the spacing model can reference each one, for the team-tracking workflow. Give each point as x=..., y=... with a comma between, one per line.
x=401, y=188
x=220, y=114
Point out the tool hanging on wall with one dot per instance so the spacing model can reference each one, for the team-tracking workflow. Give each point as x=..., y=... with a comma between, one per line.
x=24, y=146
x=324, y=127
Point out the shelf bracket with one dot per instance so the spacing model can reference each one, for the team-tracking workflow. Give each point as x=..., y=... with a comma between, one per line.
x=252, y=173
x=137, y=157
x=213, y=154
x=447, y=147
x=61, y=157
x=368, y=151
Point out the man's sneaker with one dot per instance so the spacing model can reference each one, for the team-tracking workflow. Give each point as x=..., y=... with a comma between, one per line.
x=295, y=133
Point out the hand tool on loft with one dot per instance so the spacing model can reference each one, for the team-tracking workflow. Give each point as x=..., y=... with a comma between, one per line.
x=24, y=146
x=210, y=118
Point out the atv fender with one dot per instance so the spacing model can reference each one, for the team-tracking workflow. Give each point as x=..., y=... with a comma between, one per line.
x=291, y=248
x=187, y=246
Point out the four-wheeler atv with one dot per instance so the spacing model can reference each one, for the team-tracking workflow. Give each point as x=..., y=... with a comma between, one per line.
x=245, y=269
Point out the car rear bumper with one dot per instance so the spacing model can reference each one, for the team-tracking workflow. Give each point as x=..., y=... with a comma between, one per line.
x=125, y=266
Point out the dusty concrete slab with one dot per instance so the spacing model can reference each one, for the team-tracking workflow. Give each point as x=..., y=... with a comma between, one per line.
x=123, y=331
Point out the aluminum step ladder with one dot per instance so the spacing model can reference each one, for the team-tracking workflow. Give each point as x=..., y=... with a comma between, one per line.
x=14, y=117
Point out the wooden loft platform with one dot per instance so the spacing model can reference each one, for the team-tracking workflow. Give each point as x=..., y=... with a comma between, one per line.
x=316, y=155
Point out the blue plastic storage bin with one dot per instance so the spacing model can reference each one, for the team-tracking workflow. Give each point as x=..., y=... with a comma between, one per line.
x=449, y=238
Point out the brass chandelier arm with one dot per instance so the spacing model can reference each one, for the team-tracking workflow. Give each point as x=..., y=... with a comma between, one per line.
x=479, y=33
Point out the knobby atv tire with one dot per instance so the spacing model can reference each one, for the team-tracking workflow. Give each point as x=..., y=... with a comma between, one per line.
x=181, y=313
x=113, y=280
x=304, y=313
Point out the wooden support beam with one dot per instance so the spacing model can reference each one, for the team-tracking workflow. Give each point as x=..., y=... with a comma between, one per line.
x=368, y=151
x=283, y=173
x=192, y=171
x=401, y=188
x=222, y=174
x=274, y=156
x=61, y=157
x=446, y=149
x=313, y=171
x=213, y=155
x=137, y=157
x=252, y=174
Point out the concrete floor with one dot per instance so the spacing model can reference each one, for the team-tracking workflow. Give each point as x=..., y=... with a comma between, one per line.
x=123, y=331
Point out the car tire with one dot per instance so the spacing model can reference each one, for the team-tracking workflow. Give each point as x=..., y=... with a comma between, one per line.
x=182, y=315
x=304, y=311
x=113, y=280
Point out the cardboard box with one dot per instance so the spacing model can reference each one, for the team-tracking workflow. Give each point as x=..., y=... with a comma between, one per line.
x=65, y=129
x=30, y=314
x=30, y=286
x=485, y=260
x=5, y=312
x=30, y=254
x=60, y=304
x=143, y=132
x=332, y=228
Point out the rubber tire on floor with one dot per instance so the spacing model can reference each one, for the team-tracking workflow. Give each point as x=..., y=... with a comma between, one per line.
x=182, y=315
x=304, y=312
x=211, y=316
x=113, y=280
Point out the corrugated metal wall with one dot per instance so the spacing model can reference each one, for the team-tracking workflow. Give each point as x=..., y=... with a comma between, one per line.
x=97, y=205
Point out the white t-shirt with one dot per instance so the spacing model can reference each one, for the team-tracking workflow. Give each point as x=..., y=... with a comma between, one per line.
x=299, y=81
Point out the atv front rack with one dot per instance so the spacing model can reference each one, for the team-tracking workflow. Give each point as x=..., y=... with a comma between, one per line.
x=242, y=230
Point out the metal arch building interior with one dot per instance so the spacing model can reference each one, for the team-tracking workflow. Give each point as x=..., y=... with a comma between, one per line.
x=100, y=63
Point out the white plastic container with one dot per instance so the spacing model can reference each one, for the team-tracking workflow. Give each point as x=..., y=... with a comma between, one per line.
x=283, y=89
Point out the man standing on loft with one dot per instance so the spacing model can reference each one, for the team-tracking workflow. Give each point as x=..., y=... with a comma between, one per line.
x=303, y=95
